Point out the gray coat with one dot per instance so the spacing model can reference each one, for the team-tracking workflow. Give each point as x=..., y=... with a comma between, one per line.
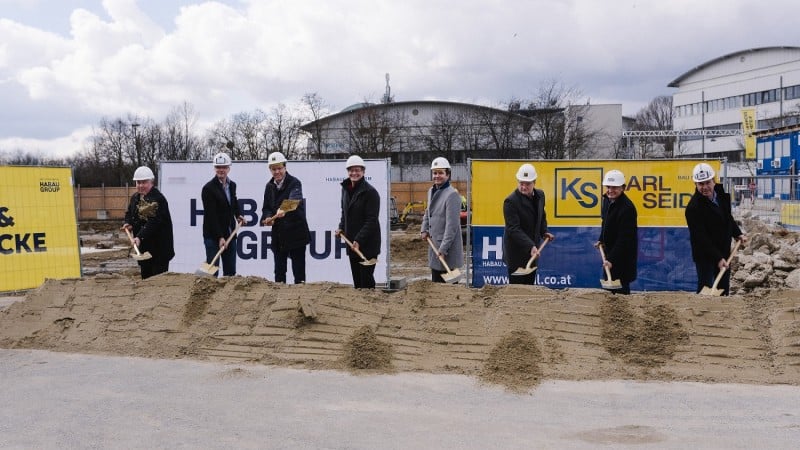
x=442, y=221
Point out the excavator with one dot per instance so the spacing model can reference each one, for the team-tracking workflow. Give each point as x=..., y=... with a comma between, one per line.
x=398, y=219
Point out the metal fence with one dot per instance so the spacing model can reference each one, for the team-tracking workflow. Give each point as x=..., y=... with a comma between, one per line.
x=774, y=198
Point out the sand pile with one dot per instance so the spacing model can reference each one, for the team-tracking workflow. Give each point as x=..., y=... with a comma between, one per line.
x=512, y=335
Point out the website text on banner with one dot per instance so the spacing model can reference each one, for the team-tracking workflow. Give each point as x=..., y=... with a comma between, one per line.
x=38, y=227
x=181, y=183
x=573, y=192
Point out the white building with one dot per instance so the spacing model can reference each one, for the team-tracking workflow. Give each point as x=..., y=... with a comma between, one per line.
x=712, y=95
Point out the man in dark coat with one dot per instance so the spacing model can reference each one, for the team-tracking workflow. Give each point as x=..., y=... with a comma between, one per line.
x=711, y=227
x=220, y=214
x=290, y=233
x=619, y=232
x=359, y=222
x=149, y=221
x=525, y=225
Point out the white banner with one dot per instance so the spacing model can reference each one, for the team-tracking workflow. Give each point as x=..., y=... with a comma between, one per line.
x=326, y=260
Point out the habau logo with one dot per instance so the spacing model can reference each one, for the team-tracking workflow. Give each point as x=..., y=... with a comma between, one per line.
x=49, y=185
x=578, y=192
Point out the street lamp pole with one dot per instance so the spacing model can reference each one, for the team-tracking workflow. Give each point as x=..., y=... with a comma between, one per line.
x=135, y=125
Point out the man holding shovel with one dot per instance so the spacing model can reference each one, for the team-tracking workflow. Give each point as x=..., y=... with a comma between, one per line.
x=290, y=233
x=441, y=223
x=149, y=223
x=525, y=225
x=711, y=227
x=618, y=234
x=359, y=223
x=220, y=215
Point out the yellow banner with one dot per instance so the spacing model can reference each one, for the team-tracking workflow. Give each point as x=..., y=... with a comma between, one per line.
x=573, y=190
x=748, y=127
x=38, y=228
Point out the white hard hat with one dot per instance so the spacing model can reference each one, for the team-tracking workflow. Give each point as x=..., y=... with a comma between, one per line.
x=526, y=172
x=702, y=172
x=354, y=160
x=613, y=178
x=222, y=159
x=276, y=158
x=440, y=163
x=143, y=173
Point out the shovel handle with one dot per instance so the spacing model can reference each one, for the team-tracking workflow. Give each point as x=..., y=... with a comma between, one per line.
x=727, y=263
x=227, y=241
x=533, y=258
x=358, y=252
x=133, y=243
x=438, y=255
x=603, y=254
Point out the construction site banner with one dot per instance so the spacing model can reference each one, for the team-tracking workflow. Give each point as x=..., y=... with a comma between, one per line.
x=573, y=192
x=326, y=259
x=38, y=227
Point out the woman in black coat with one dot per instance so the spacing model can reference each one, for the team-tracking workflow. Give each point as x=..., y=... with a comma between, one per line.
x=359, y=222
x=149, y=221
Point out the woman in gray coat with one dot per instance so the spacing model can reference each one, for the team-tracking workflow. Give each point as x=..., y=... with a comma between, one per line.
x=442, y=222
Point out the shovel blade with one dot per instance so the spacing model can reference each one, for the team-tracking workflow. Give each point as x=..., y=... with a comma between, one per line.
x=206, y=269
x=610, y=284
x=711, y=291
x=452, y=276
x=524, y=270
x=141, y=256
x=369, y=262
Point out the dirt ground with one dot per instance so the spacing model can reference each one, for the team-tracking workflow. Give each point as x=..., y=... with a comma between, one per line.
x=514, y=336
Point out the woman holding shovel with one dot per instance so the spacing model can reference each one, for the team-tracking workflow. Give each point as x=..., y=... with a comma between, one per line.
x=619, y=241
x=441, y=223
x=290, y=234
x=359, y=224
x=526, y=225
x=711, y=227
x=148, y=223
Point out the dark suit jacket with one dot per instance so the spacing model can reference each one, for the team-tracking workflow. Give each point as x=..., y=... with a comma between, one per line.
x=219, y=216
x=291, y=231
x=619, y=235
x=359, y=221
x=153, y=228
x=711, y=227
x=526, y=225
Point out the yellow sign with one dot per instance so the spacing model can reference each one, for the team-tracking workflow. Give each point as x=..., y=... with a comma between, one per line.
x=38, y=227
x=573, y=190
x=748, y=127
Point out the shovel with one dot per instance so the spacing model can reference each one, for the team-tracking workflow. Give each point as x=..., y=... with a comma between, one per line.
x=210, y=268
x=365, y=262
x=450, y=276
x=713, y=289
x=139, y=256
x=608, y=283
x=286, y=206
x=530, y=267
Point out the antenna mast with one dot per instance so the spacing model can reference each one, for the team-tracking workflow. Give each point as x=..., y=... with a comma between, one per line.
x=387, y=97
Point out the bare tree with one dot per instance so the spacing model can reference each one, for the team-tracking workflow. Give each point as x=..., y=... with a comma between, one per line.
x=441, y=136
x=283, y=127
x=657, y=115
x=375, y=130
x=501, y=131
x=558, y=127
x=315, y=109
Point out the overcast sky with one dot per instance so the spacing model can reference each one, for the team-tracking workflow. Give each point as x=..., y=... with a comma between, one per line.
x=66, y=64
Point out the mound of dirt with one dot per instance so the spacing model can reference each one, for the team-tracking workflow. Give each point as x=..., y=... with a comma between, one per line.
x=512, y=335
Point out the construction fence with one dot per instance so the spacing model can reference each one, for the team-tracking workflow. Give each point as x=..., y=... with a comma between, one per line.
x=774, y=198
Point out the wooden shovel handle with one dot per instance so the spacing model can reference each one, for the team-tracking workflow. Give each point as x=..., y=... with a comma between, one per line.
x=438, y=255
x=603, y=254
x=133, y=243
x=533, y=258
x=227, y=241
x=727, y=264
x=358, y=252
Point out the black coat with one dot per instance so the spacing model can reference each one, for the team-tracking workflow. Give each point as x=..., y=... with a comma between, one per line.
x=219, y=216
x=619, y=235
x=711, y=227
x=291, y=231
x=359, y=222
x=525, y=226
x=152, y=225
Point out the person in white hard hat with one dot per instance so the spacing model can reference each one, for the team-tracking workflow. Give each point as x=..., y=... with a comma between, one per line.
x=290, y=234
x=525, y=224
x=150, y=222
x=359, y=222
x=711, y=228
x=619, y=231
x=220, y=214
x=442, y=221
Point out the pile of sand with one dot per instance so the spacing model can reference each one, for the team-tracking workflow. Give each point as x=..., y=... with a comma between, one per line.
x=513, y=335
